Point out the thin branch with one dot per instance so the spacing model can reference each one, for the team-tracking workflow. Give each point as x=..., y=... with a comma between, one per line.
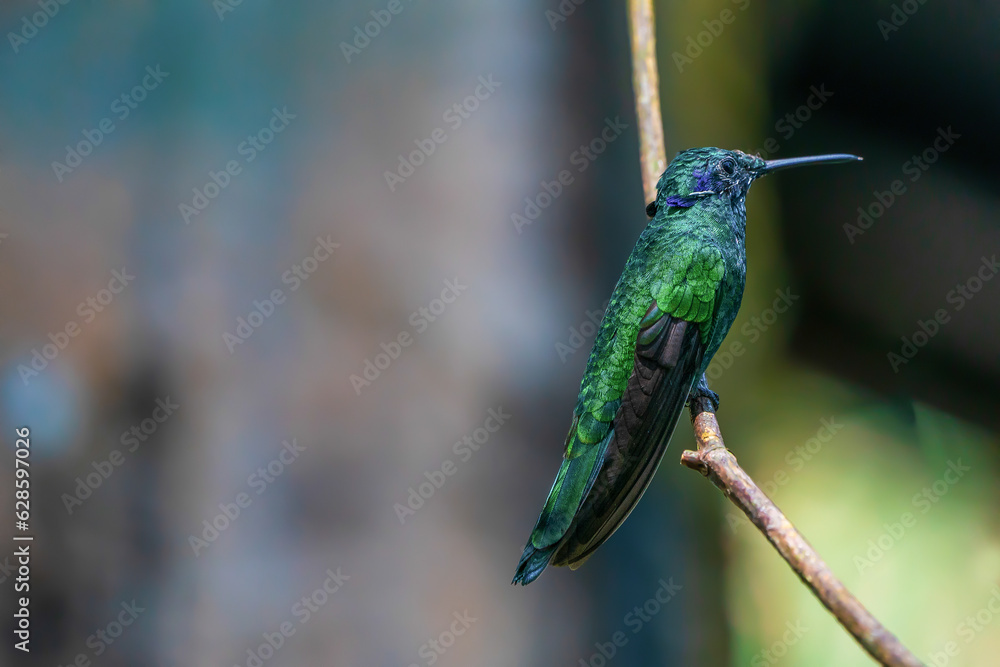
x=646, y=81
x=712, y=458
x=718, y=464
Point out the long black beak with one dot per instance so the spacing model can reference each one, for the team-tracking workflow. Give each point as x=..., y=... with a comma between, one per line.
x=775, y=165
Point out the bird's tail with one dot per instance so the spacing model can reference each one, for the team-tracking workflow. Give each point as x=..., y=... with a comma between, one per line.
x=532, y=562
x=576, y=477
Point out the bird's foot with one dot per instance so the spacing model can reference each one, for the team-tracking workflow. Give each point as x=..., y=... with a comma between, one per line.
x=701, y=390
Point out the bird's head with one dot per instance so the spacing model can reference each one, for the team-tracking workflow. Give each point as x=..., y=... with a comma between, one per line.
x=698, y=174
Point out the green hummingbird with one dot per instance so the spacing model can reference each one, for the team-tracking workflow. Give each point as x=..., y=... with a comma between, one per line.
x=671, y=309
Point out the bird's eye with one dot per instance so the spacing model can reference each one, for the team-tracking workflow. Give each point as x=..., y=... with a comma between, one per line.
x=728, y=166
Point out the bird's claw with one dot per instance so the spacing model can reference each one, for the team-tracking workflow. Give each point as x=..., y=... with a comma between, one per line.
x=701, y=390
x=704, y=393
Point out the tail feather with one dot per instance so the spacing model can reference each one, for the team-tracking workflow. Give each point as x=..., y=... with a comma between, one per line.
x=532, y=562
x=573, y=483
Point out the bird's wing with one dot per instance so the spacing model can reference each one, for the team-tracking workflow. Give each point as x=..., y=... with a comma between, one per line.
x=669, y=346
x=640, y=372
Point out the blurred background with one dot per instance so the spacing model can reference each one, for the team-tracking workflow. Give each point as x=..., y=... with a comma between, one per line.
x=295, y=309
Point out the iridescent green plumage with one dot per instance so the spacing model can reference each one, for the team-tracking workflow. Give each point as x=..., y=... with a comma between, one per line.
x=673, y=305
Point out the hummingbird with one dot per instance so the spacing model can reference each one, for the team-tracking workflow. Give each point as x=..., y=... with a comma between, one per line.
x=670, y=311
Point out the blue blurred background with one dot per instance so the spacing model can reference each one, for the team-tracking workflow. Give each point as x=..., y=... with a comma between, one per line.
x=295, y=306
